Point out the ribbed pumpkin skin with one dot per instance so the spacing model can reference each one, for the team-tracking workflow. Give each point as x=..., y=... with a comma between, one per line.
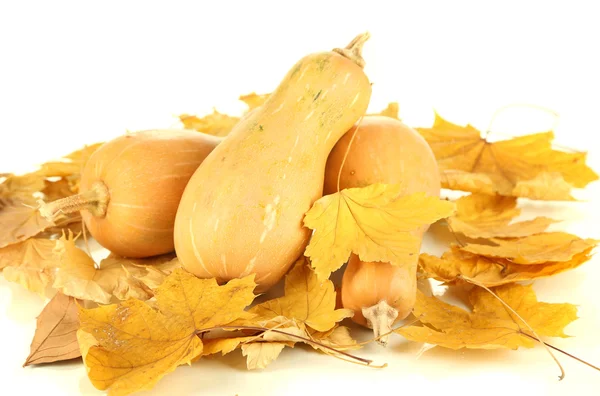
x=146, y=173
x=384, y=150
x=242, y=211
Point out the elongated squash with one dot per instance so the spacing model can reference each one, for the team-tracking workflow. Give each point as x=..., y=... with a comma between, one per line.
x=242, y=210
x=383, y=150
x=131, y=186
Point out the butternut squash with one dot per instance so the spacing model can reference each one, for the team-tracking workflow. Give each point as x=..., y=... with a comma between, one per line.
x=381, y=150
x=242, y=210
x=131, y=187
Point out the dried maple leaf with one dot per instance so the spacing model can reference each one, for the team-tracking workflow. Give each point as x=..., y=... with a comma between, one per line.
x=489, y=325
x=486, y=216
x=80, y=277
x=55, y=337
x=217, y=124
x=253, y=100
x=30, y=263
x=534, y=249
x=20, y=220
x=525, y=166
x=21, y=187
x=377, y=222
x=306, y=299
x=132, y=345
x=456, y=266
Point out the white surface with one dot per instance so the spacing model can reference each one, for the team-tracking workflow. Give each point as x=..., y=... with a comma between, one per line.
x=73, y=73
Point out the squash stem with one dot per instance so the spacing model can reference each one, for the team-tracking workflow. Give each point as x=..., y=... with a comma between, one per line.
x=380, y=317
x=353, y=51
x=94, y=200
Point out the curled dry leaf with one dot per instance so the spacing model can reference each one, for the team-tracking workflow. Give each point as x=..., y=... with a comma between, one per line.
x=377, y=222
x=525, y=166
x=55, y=337
x=456, y=265
x=78, y=275
x=487, y=216
x=132, y=346
x=534, y=249
x=489, y=325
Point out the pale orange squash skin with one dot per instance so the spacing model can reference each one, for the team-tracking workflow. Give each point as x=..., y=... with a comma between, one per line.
x=146, y=173
x=242, y=211
x=384, y=150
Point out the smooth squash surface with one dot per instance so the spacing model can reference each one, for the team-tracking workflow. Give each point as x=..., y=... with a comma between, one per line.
x=242, y=211
x=131, y=187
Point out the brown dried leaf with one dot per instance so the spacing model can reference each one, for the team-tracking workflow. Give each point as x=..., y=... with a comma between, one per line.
x=20, y=220
x=55, y=337
x=31, y=264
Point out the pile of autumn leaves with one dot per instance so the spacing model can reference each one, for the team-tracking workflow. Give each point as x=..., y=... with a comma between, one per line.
x=134, y=321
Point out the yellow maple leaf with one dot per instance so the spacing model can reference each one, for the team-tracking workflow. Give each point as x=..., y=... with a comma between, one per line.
x=534, y=249
x=30, y=263
x=306, y=299
x=132, y=345
x=456, y=266
x=486, y=216
x=377, y=222
x=525, y=166
x=489, y=325
x=216, y=123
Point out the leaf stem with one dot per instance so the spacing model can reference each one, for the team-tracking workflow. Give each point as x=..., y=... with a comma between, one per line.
x=365, y=362
x=537, y=337
x=564, y=352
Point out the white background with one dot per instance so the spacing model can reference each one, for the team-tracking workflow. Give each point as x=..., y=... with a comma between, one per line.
x=75, y=72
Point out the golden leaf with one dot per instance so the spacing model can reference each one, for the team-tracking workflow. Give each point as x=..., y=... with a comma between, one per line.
x=253, y=100
x=456, y=265
x=20, y=188
x=20, y=220
x=377, y=222
x=30, y=263
x=260, y=354
x=223, y=345
x=55, y=336
x=486, y=216
x=306, y=299
x=525, y=166
x=489, y=325
x=217, y=124
x=534, y=249
x=136, y=345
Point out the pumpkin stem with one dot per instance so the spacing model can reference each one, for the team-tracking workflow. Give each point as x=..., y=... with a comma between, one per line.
x=380, y=317
x=353, y=51
x=95, y=200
